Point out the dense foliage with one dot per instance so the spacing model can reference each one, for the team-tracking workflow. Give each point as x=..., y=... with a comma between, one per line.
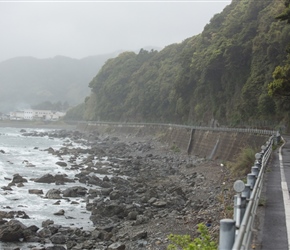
x=221, y=74
x=203, y=242
x=279, y=88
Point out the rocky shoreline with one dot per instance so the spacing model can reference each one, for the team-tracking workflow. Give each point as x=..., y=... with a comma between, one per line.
x=146, y=192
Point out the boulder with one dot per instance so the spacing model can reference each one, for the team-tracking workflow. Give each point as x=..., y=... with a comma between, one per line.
x=46, y=223
x=61, y=178
x=47, y=178
x=12, y=231
x=61, y=163
x=60, y=212
x=58, y=238
x=53, y=194
x=18, y=179
x=77, y=191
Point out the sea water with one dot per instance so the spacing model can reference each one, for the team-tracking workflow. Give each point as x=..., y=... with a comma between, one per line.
x=26, y=156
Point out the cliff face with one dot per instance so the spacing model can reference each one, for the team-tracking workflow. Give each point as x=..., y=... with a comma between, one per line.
x=221, y=74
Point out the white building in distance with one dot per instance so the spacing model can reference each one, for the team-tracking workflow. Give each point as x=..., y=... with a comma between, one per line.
x=33, y=114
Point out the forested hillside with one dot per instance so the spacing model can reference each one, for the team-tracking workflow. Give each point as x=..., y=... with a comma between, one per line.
x=27, y=81
x=221, y=74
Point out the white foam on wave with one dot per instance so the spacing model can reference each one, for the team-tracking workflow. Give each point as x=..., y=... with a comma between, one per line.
x=19, y=151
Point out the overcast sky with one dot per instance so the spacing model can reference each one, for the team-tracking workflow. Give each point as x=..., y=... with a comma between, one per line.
x=44, y=29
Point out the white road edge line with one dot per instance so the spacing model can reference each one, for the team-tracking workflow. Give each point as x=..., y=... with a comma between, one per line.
x=285, y=193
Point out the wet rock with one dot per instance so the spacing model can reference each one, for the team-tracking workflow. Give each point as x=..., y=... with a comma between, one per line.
x=50, y=150
x=61, y=163
x=60, y=212
x=18, y=179
x=44, y=233
x=47, y=178
x=12, y=231
x=53, y=194
x=35, y=191
x=47, y=223
x=62, y=178
x=6, y=188
x=77, y=191
x=58, y=238
x=106, y=191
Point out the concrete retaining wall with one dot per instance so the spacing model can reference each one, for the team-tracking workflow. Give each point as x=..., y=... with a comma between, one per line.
x=210, y=144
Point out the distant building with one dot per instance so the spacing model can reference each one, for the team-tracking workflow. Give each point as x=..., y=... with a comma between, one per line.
x=4, y=116
x=32, y=114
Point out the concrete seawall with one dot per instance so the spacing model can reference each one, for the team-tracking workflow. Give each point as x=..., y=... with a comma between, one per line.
x=211, y=144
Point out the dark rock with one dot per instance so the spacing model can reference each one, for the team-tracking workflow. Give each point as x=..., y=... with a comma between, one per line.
x=58, y=238
x=106, y=178
x=117, y=246
x=44, y=233
x=47, y=223
x=106, y=191
x=60, y=212
x=18, y=179
x=55, y=248
x=12, y=231
x=140, y=235
x=47, y=178
x=35, y=191
x=61, y=163
x=115, y=195
x=132, y=215
x=53, y=194
x=50, y=150
x=77, y=191
x=60, y=178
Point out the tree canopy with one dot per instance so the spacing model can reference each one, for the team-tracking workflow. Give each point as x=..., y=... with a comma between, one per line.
x=280, y=86
x=221, y=74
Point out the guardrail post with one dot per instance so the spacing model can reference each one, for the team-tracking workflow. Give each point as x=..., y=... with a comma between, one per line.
x=227, y=234
x=247, y=191
x=251, y=179
x=238, y=211
x=240, y=204
x=243, y=207
x=255, y=171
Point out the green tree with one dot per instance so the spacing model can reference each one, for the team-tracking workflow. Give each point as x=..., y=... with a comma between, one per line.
x=280, y=86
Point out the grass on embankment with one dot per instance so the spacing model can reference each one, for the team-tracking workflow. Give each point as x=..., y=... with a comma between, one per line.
x=243, y=162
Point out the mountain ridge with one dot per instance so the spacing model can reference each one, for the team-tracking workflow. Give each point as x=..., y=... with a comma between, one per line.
x=27, y=80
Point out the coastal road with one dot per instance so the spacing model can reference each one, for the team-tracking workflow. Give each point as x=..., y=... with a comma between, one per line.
x=275, y=228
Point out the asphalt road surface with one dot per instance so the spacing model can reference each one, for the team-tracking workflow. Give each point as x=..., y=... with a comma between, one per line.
x=274, y=233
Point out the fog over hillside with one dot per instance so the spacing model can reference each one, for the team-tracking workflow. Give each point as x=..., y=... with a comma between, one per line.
x=27, y=81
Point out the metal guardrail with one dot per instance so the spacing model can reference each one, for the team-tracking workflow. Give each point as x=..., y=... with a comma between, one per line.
x=222, y=129
x=236, y=234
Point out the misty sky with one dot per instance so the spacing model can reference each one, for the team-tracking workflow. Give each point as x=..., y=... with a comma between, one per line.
x=77, y=29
